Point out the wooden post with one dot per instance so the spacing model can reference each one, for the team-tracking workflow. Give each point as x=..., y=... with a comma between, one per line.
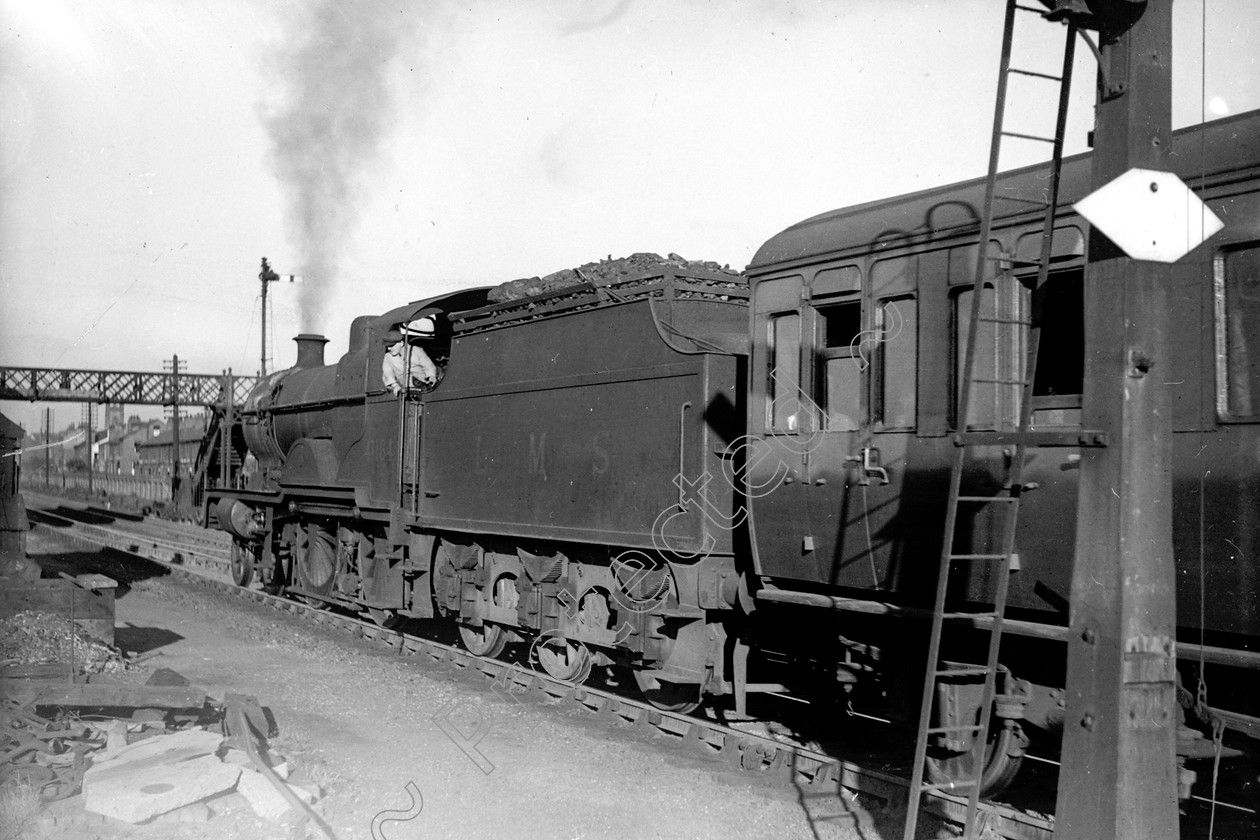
x=1118, y=777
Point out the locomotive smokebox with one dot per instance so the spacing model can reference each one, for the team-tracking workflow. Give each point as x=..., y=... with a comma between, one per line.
x=310, y=350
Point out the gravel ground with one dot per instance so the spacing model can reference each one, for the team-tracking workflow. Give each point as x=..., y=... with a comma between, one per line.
x=361, y=724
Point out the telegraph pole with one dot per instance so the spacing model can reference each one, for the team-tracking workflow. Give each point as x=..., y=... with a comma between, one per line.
x=91, y=443
x=1118, y=775
x=225, y=430
x=174, y=363
x=47, y=445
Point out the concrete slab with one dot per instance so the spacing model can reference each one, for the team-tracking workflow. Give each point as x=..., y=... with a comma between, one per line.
x=158, y=775
x=178, y=746
x=197, y=812
x=263, y=797
x=143, y=789
x=241, y=759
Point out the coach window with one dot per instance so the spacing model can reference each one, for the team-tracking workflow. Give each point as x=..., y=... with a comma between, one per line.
x=840, y=363
x=987, y=395
x=784, y=372
x=1237, y=291
x=1061, y=351
x=895, y=365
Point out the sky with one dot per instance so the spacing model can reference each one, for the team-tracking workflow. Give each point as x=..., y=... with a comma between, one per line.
x=153, y=151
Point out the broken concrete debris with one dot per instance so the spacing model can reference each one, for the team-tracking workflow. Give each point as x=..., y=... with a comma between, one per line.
x=264, y=798
x=130, y=775
x=172, y=771
x=136, y=790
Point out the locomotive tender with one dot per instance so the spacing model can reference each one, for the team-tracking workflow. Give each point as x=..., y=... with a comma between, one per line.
x=683, y=473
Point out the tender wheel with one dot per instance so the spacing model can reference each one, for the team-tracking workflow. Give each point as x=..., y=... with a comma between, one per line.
x=316, y=566
x=490, y=639
x=242, y=563
x=1003, y=756
x=670, y=697
x=564, y=660
x=486, y=640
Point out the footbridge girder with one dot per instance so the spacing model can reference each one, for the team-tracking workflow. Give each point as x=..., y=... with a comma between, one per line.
x=36, y=384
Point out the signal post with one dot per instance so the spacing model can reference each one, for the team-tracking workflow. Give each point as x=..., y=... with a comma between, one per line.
x=1118, y=774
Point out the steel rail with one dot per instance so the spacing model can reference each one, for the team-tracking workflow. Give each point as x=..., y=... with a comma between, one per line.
x=816, y=771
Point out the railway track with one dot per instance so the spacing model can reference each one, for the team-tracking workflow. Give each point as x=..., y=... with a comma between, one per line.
x=205, y=562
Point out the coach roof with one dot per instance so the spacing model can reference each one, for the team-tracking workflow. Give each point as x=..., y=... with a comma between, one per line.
x=1209, y=150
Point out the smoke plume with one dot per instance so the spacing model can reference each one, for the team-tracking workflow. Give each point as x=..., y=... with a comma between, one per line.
x=327, y=126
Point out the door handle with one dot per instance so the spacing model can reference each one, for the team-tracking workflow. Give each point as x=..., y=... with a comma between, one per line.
x=870, y=464
x=869, y=461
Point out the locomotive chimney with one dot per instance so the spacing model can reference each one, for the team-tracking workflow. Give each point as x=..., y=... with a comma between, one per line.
x=310, y=350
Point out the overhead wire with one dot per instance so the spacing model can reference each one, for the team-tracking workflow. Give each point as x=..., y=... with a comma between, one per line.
x=249, y=331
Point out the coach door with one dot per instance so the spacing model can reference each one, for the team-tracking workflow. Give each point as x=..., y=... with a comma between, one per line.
x=781, y=428
x=833, y=409
x=862, y=384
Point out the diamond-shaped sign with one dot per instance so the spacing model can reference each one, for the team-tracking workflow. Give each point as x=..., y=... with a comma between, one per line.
x=1150, y=215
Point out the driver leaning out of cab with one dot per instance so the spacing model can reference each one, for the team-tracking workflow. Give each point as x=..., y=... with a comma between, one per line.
x=406, y=364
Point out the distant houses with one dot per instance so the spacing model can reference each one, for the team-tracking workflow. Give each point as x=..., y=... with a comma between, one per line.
x=153, y=456
x=119, y=453
x=136, y=447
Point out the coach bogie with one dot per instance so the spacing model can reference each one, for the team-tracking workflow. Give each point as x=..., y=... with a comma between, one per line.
x=957, y=706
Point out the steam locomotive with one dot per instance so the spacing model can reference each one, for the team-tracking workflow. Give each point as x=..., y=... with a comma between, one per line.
x=700, y=475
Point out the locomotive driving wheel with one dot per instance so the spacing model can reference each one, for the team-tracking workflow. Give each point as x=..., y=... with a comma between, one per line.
x=389, y=619
x=668, y=696
x=316, y=563
x=244, y=557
